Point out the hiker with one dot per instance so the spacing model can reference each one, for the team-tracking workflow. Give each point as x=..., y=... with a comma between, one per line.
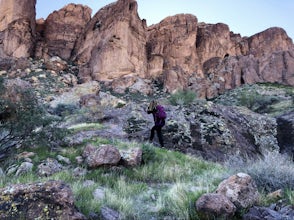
x=159, y=116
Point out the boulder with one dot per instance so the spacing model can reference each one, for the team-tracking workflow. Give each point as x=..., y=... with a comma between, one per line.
x=216, y=132
x=48, y=200
x=102, y=155
x=215, y=206
x=132, y=157
x=49, y=167
x=240, y=189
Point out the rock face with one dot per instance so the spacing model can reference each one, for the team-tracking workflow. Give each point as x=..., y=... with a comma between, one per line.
x=171, y=50
x=113, y=44
x=61, y=30
x=117, y=46
x=36, y=201
x=17, y=28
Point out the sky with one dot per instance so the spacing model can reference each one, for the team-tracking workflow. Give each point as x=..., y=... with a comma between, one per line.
x=245, y=17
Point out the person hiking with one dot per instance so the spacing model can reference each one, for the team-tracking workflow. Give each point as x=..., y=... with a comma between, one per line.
x=159, y=116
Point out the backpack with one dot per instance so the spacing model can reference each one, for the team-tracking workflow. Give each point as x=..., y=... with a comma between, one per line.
x=161, y=114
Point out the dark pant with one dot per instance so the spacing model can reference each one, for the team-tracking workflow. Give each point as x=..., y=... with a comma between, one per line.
x=159, y=134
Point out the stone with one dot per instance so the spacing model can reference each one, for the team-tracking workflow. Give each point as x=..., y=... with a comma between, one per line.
x=240, y=189
x=24, y=168
x=132, y=157
x=56, y=64
x=48, y=200
x=109, y=214
x=49, y=167
x=63, y=159
x=99, y=194
x=213, y=205
x=102, y=155
x=73, y=96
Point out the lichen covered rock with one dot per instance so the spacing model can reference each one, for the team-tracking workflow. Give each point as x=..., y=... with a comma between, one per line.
x=49, y=200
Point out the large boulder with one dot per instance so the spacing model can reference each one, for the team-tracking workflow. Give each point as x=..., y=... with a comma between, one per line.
x=17, y=28
x=102, y=155
x=214, y=206
x=240, y=189
x=48, y=200
x=216, y=132
x=113, y=44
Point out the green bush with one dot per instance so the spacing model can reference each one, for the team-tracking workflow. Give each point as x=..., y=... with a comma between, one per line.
x=183, y=97
x=24, y=122
x=65, y=109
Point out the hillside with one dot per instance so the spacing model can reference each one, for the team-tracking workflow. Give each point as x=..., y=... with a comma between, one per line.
x=74, y=130
x=160, y=182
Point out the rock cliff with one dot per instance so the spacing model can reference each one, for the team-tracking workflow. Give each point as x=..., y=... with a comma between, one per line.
x=115, y=45
x=17, y=28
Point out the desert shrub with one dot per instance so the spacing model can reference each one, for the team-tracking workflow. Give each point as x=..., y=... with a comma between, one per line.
x=271, y=172
x=25, y=122
x=257, y=102
x=65, y=109
x=182, y=97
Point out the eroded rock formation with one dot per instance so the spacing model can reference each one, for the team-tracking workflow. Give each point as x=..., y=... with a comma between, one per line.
x=115, y=45
x=17, y=28
x=60, y=31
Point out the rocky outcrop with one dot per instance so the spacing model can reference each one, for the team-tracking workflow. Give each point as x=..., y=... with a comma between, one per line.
x=36, y=201
x=171, y=50
x=116, y=46
x=113, y=44
x=269, y=41
x=17, y=28
x=221, y=74
x=58, y=34
x=216, y=132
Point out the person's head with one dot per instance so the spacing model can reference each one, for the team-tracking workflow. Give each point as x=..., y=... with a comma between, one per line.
x=152, y=105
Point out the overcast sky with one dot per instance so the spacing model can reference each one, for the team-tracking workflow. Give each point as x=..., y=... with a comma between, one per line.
x=246, y=17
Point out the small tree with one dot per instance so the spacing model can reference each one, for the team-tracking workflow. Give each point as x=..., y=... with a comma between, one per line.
x=24, y=121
